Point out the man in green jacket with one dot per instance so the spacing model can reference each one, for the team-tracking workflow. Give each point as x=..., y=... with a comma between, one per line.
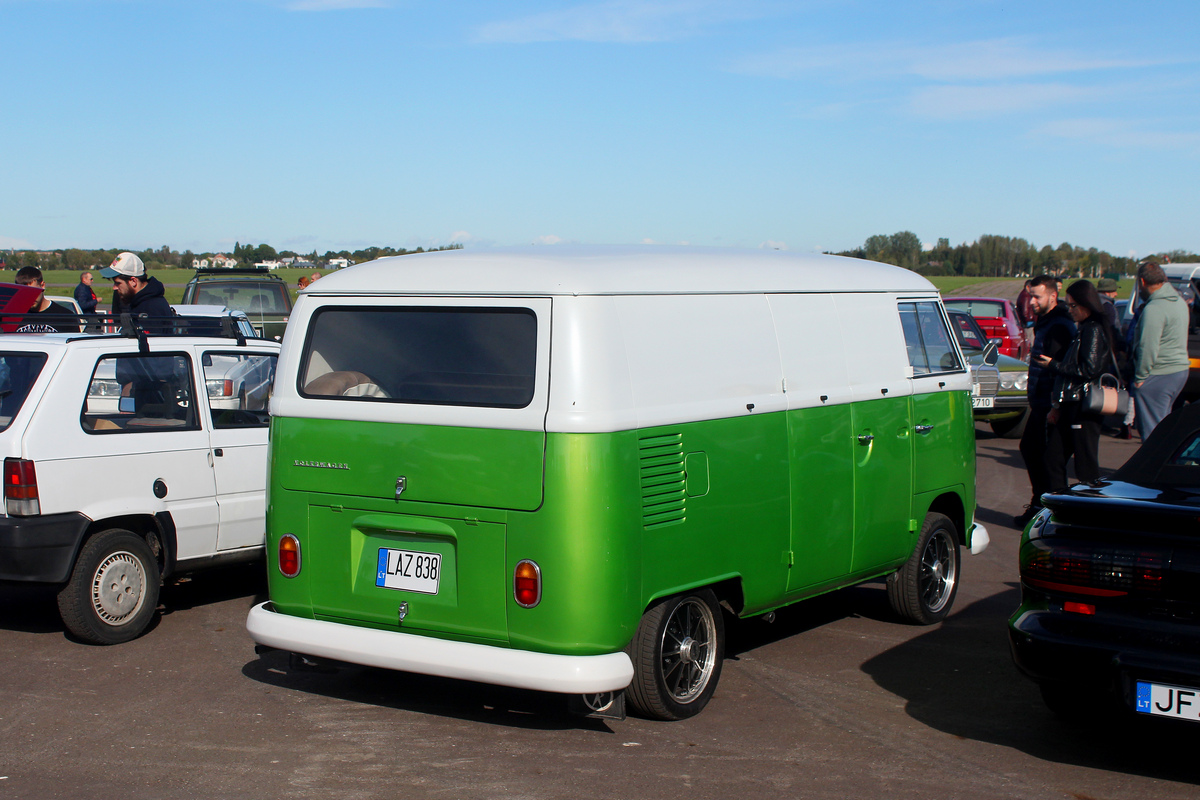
x=1160, y=348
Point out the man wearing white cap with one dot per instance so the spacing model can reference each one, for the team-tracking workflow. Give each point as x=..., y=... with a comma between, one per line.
x=140, y=295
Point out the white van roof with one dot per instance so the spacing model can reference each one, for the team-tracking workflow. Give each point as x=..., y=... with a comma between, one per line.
x=571, y=270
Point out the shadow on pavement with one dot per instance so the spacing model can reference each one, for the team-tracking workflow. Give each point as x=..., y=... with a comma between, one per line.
x=424, y=694
x=33, y=608
x=959, y=678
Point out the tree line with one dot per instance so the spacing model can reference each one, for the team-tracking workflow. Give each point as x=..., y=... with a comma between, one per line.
x=999, y=256
x=164, y=257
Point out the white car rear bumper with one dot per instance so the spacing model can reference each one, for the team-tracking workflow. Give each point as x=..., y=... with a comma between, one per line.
x=409, y=652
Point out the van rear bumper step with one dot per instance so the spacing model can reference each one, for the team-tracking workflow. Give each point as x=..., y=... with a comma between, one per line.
x=407, y=652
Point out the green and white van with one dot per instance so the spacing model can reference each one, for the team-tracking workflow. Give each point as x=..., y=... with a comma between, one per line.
x=560, y=469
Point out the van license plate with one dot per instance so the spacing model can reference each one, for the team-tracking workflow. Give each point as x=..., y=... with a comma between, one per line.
x=408, y=570
x=1163, y=700
x=983, y=402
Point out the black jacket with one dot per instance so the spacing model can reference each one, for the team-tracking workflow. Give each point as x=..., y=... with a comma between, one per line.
x=151, y=301
x=1051, y=336
x=1085, y=361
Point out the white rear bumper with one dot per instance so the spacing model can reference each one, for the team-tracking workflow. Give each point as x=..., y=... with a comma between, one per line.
x=979, y=538
x=409, y=652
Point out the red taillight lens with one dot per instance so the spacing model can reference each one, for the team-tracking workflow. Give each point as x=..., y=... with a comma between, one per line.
x=289, y=555
x=527, y=584
x=20, y=488
x=1097, y=570
x=1079, y=608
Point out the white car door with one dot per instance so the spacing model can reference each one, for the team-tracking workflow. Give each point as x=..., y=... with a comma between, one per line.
x=237, y=388
x=137, y=446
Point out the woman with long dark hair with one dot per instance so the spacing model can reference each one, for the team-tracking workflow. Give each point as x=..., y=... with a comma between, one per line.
x=1072, y=431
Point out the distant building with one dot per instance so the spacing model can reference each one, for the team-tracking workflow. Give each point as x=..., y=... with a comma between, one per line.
x=339, y=263
x=268, y=264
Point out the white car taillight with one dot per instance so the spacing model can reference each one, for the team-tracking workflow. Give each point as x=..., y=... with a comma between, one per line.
x=20, y=488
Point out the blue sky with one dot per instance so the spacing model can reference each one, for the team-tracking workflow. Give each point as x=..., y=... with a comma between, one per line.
x=330, y=124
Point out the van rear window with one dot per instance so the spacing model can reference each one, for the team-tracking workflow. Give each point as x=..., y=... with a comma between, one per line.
x=430, y=355
x=18, y=371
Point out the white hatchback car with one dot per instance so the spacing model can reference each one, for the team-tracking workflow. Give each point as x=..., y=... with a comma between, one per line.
x=128, y=461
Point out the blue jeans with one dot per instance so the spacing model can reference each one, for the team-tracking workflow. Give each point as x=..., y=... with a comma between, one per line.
x=1154, y=399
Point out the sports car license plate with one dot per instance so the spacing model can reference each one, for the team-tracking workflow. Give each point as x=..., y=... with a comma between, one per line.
x=1164, y=700
x=408, y=570
x=983, y=402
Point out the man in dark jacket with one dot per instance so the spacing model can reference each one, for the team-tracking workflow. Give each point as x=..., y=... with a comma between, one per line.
x=1052, y=335
x=140, y=295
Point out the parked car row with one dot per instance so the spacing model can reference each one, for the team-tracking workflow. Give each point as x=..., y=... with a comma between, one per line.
x=421, y=494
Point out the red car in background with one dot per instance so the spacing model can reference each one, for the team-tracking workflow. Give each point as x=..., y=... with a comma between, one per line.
x=16, y=299
x=998, y=318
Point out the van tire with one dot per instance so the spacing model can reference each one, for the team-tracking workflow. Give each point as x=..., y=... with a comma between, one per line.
x=112, y=593
x=922, y=591
x=677, y=654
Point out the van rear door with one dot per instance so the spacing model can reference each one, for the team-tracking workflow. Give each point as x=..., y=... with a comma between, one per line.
x=409, y=427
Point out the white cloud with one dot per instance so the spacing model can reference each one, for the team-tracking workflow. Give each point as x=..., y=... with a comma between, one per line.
x=957, y=102
x=984, y=60
x=461, y=237
x=548, y=239
x=771, y=244
x=1121, y=133
x=648, y=241
x=625, y=21
x=333, y=5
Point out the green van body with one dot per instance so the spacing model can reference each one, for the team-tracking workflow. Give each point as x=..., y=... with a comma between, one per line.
x=762, y=509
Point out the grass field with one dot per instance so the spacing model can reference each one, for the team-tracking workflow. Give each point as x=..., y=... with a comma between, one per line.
x=62, y=282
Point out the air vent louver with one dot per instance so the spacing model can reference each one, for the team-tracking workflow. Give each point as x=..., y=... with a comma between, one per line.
x=663, y=492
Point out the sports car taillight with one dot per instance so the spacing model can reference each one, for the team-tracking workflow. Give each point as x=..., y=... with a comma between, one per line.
x=1098, y=570
x=20, y=488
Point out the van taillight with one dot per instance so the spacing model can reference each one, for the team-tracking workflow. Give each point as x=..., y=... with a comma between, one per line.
x=527, y=584
x=20, y=488
x=1098, y=570
x=289, y=555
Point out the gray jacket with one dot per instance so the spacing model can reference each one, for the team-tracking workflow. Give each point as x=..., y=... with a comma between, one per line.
x=1160, y=346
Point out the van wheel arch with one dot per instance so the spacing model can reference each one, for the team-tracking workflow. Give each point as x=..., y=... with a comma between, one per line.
x=950, y=505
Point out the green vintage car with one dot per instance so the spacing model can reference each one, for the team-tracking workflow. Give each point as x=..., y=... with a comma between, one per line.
x=1007, y=417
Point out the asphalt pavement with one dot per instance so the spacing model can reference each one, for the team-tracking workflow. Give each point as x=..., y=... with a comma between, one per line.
x=834, y=699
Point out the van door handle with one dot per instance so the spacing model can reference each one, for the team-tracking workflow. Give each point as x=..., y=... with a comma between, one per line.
x=923, y=429
x=866, y=438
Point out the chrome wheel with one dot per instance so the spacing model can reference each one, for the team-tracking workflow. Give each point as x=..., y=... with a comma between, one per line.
x=922, y=591
x=118, y=588
x=676, y=654
x=939, y=571
x=687, y=648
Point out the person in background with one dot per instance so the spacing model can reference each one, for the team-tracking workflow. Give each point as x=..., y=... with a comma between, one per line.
x=1052, y=335
x=313, y=277
x=1160, y=355
x=1072, y=430
x=303, y=282
x=1025, y=314
x=32, y=276
x=137, y=293
x=1107, y=289
x=86, y=297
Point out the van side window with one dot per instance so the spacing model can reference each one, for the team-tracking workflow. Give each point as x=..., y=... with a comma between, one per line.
x=927, y=339
x=239, y=388
x=430, y=355
x=139, y=394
